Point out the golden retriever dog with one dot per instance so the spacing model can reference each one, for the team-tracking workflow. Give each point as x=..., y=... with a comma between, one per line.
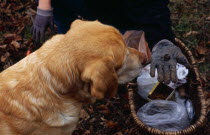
x=44, y=92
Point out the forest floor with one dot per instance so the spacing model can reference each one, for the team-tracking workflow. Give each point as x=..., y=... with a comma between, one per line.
x=191, y=24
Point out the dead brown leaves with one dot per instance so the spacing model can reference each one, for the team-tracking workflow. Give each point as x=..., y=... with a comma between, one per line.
x=102, y=118
x=14, y=15
x=107, y=117
x=14, y=31
x=13, y=48
x=201, y=52
x=208, y=18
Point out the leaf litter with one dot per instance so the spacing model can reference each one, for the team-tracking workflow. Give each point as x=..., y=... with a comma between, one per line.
x=105, y=117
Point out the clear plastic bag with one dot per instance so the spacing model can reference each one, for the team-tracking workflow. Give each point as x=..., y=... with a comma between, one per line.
x=164, y=115
x=187, y=103
x=146, y=82
x=190, y=109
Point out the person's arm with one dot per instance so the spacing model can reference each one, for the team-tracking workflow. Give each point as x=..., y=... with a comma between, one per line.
x=45, y=4
x=43, y=19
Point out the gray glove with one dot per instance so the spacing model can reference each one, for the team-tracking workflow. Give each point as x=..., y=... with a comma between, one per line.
x=165, y=56
x=43, y=19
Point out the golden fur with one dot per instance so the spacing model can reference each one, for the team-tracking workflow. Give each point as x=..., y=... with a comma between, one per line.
x=44, y=92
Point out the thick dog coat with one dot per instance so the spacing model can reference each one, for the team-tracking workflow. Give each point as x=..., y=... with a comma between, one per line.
x=44, y=92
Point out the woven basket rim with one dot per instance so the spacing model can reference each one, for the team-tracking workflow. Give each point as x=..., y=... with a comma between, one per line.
x=192, y=128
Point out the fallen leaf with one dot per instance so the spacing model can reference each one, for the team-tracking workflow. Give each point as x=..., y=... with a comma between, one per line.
x=102, y=118
x=200, y=60
x=20, y=29
x=105, y=112
x=132, y=130
x=8, y=63
x=87, y=132
x=202, y=44
x=5, y=57
x=8, y=38
x=202, y=50
x=9, y=35
x=208, y=102
x=18, y=38
x=190, y=33
x=3, y=46
x=84, y=115
x=32, y=10
x=90, y=109
x=111, y=124
x=208, y=18
x=206, y=94
x=92, y=120
x=102, y=107
x=102, y=123
x=15, y=44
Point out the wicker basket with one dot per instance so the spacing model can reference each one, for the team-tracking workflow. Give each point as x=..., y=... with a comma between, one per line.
x=196, y=95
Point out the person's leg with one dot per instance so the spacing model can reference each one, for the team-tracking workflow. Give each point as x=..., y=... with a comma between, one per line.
x=155, y=33
x=62, y=27
x=151, y=16
x=65, y=12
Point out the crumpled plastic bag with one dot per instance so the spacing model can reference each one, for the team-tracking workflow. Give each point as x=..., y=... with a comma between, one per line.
x=182, y=73
x=146, y=82
x=187, y=103
x=164, y=115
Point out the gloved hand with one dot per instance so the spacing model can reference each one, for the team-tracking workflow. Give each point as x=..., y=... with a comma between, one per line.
x=165, y=56
x=43, y=19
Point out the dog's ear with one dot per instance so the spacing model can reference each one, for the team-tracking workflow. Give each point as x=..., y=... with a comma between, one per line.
x=136, y=39
x=102, y=77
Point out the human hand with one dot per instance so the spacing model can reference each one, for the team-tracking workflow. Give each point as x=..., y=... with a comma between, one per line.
x=165, y=56
x=43, y=19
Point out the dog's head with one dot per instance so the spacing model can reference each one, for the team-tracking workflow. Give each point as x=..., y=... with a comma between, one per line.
x=107, y=60
x=131, y=67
